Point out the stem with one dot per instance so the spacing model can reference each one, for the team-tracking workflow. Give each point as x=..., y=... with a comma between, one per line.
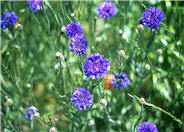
x=158, y=108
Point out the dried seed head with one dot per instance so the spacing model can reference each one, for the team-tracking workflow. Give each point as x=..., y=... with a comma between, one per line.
x=103, y=102
x=147, y=66
x=91, y=123
x=159, y=51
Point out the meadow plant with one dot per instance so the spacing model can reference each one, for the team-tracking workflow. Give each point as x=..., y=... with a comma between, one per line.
x=104, y=66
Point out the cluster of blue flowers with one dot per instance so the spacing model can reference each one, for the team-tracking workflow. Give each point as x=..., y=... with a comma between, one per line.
x=82, y=98
x=121, y=80
x=152, y=17
x=95, y=65
x=147, y=127
x=35, y=5
x=30, y=112
x=8, y=19
x=78, y=42
x=106, y=9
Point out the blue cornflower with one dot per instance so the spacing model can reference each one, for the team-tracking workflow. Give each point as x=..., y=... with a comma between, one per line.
x=152, y=17
x=82, y=98
x=106, y=9
x=30, y=112
x=35, y=5
x=73, y=29
x=9, y=19
x=79, y=44
x=96, y=66
x=147, y=127
x=121, y=80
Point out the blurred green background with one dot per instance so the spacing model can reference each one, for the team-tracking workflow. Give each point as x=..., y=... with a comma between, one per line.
x=30, y=70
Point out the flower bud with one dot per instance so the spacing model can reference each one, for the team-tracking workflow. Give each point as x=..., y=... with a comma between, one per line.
x=91, y=123
x=63, y=28
x=98, y=39
x=120, y=31
x=37, y=114
x=159, y=51
x=147, y=66
x=59, y=56
x=52, y=129
x=142, y=101
x=122, y=53
x=103, y=102
x=18, y=26
x=140, y=27
x=28, y=85
x=72, y=14
x=9, y=101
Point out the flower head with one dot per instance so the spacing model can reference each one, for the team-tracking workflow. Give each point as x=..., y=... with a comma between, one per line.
x=121, y=80
x=81, y=97
x=73, y=28
x=79, y=44
x=8, y=19
x=30, y=112
x=96, y=66
x=106, y=9
x=152, y=17
x=147, y=127
x=109, y=81
x=35, y=5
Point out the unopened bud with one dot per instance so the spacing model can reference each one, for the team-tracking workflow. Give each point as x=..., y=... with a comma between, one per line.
x=142, y=101
x=91, y=123
x=72, y=14
x=52, y=129
x=147, y=66
x=18, y=26
x=63, y=28
x=120, y=31
x=28, y=85
x=159, y=51
x=122, y=53
x=9, y=101
x=37, y=114
x=103, y=102
x=59, y=56
x=140, y=27
x=98, y=39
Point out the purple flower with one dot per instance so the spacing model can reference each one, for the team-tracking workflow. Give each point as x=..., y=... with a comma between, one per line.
x=9, y=19
x=147, y=127
x=30, y=112
x=73, y=28
x=96, y=66
x=79, y=44
x=81, y=97
x=106, y=9
x=35, y=5
x=121, y=80
x=152, y=17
